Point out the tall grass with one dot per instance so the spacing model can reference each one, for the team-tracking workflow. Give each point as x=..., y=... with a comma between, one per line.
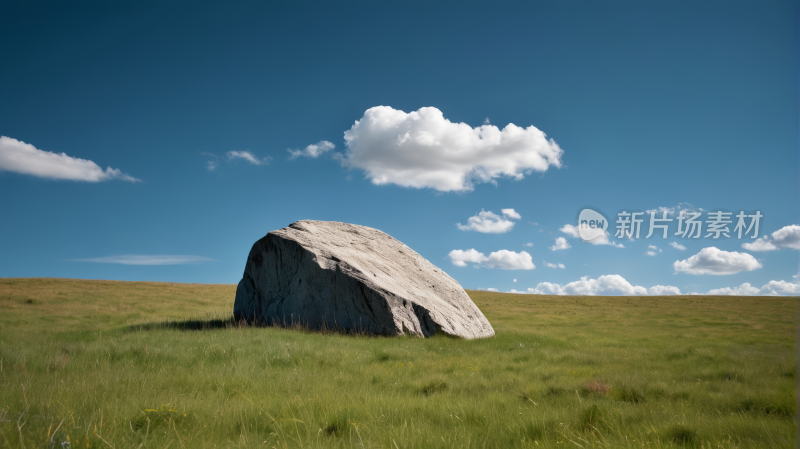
x=118, y=364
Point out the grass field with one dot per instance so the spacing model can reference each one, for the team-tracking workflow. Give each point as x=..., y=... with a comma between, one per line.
x=139, y=364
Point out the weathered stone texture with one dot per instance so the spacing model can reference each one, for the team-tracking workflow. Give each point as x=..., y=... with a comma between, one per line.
x=352, y=277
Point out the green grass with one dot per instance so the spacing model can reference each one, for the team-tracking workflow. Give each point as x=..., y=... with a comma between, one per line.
x=139, y=364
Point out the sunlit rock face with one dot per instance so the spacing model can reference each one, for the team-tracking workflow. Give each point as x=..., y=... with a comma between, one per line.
x=346, y=276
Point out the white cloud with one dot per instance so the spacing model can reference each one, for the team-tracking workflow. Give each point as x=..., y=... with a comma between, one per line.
x=660, y=290
x=653, y=250
x=510, y=260
x=511, y=213
x=715, y=261
x=677, y=246
x=554, y=265
x=515, y=281
x=422, y=149
x=561, y=243
x=572, y=231
x=681, y=207
x=743, y=290
x=313, y=150
x=489, y=289
x=529, y=245
x=762, y=244
x=608, y=284
x=503, y=259
x=212, y=165
x=461, y=258
x=20, y=157
x=786, y=237
x=782, y=288
x=248, y=156
x=489, y=222
x=137, y=259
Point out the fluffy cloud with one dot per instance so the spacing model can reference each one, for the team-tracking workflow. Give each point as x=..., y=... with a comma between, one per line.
x=490, y=223
x=503, y=259
x=461, y=258
x=423, y=149
x=608, y=284
x=137, y=259
x=660, y=290
x=572, y=231
x=529, y=245
x=712, y=260
x=782, y=288
x=511, y=213
x=561, y=243
x=554, y=265
x=248, y=156
x=20, y=157
x=677, y=246
x=653, y=250
x=313, y=150
x=786, y=237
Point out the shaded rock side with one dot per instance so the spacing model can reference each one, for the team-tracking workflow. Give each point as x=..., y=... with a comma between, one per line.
x=324, y=273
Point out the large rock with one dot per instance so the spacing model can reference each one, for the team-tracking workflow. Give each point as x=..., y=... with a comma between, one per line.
x=325, y=273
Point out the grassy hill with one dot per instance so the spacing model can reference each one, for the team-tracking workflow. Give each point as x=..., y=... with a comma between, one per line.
x=143, y=364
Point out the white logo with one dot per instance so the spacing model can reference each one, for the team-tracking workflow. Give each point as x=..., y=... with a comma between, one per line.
x=591, y=225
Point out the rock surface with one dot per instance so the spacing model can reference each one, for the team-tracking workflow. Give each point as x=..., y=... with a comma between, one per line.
x=325, y=273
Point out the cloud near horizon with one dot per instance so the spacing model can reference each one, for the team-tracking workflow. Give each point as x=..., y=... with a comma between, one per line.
x=503, y=259
x=422, y=149
x=20, y=157
x=139, y=259
x=714, y=261
x=771, y=288
x=488, y=222
x=609, y=284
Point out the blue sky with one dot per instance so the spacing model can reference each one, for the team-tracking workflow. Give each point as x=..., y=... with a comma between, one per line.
x=197, y=109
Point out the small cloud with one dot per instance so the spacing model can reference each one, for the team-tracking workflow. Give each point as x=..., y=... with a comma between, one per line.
x=572, y=231
x=561, y=243
x=20, y=157
x=502, y=259
x=313, y=151
x=488, y=222
x=677, y=246
x=138, y=259
x=489, y=289
x=515, y=281
x=554, y=265
x=653, y=250
x=786, y=237
x=212, y=165
x=534, y=223
x=511, y=213
x=529, y=245
x=248, y=156
x=714, y=261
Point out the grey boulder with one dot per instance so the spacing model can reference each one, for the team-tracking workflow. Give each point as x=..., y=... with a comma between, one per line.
x=346, y=276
